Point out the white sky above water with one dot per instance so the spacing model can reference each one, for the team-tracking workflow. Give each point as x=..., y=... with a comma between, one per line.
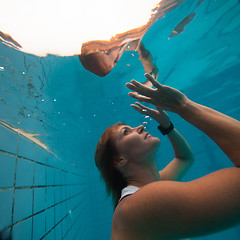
x=61, y=26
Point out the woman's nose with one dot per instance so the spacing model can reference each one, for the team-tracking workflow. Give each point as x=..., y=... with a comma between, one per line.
x=140, y=129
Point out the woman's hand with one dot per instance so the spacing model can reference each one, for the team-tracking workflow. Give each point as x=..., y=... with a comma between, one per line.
x=160, y=116
x=163, y=97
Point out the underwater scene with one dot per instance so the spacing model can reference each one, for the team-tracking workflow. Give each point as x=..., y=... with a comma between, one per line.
x=55, y=107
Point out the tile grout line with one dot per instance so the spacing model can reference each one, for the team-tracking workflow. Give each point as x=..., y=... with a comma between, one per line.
x=54, y=210
x=76, y=234
x=20, y=221
x=66, y=205
x=40, y=186
x=30, y=160
x=8, y=127
x=68, y=214
x=45, y=192
x=80, y=213
x=61, y=207
x=33, y=193
x=13, y=202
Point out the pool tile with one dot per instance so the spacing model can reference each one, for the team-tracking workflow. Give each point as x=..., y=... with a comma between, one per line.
x=26, y=148
x=50, y=176
x=39, y=199
x=24, y=176
x=6, y=197
x=58, y=194
x=58, y=213
x=8, y=140
x=23, y=230
x=22, y=204
x=50, y=196
x=64, y=225
x=6, y=234
x=50, y=235
x=40, y=155
x=59, y=232
x=7, y=170
x=39, y=226
x=40, y=175
x=49, y=219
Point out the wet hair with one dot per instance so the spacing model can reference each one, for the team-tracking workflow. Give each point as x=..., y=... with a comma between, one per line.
x=105, y=154
x=91, y=62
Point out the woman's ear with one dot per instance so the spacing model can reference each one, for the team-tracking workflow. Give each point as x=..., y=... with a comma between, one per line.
x=120, y=162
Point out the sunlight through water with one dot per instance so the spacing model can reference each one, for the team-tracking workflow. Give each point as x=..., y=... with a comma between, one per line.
x=61, y=27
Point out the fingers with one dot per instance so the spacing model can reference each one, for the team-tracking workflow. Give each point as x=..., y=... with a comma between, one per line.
x=137, y=108
x=153, y=80
x=147, y=109
x=140, y=97
x=143, y=109
x=140, y=88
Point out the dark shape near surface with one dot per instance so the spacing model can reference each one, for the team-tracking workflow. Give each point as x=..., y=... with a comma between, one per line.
x=181, y=26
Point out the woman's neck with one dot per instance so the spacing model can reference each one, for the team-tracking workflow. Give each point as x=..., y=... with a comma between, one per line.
x=142, y=175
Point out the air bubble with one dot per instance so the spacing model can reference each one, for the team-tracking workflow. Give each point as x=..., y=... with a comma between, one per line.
x=144, y=110
x=54, y=100
x=146, y=116
x=132, y=55
x=145, y=123
x=42, y=100
x=29, y=115
x=1, y=68
x=23, y=73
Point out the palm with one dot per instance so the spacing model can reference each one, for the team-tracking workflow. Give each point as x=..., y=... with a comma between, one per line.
x=162, y=97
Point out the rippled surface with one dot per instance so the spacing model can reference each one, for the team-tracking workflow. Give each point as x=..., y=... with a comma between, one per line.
x=69, y=107
x=45, y=27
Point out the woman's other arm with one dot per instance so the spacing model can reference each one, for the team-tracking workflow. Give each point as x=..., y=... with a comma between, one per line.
x=184, y=159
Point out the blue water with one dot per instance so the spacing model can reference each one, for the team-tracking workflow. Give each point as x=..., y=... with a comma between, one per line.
x=58, y=194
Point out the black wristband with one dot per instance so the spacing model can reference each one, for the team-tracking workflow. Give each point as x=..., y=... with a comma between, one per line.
x=167, y=130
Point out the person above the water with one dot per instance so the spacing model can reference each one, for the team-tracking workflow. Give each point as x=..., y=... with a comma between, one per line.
x=101, y=62
x=101, y=56
x=152, y=204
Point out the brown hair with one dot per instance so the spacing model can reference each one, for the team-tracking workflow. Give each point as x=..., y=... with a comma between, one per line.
x=92, y=62
x=105, y=154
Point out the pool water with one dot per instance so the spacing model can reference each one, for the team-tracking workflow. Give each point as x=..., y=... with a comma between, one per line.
x=49, y=185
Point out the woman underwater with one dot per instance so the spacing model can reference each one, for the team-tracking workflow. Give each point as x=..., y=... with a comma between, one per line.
x=152, y=205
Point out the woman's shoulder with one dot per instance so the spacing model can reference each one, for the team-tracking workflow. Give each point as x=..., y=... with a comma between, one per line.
x=137, y=213
x=165, y=209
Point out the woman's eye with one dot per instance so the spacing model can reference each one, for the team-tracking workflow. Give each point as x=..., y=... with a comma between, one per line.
x=126, y=131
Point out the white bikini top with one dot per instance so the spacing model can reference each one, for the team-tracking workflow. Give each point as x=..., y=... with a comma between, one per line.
x=128, y=191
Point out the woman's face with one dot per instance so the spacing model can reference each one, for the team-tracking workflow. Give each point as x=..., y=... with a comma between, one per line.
x=134, y=143
x=110, y=58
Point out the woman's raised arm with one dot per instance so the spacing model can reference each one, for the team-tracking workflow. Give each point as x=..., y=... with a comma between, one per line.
x=222, y=129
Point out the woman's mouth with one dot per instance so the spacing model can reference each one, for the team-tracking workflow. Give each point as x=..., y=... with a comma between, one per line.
x=147, y=134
